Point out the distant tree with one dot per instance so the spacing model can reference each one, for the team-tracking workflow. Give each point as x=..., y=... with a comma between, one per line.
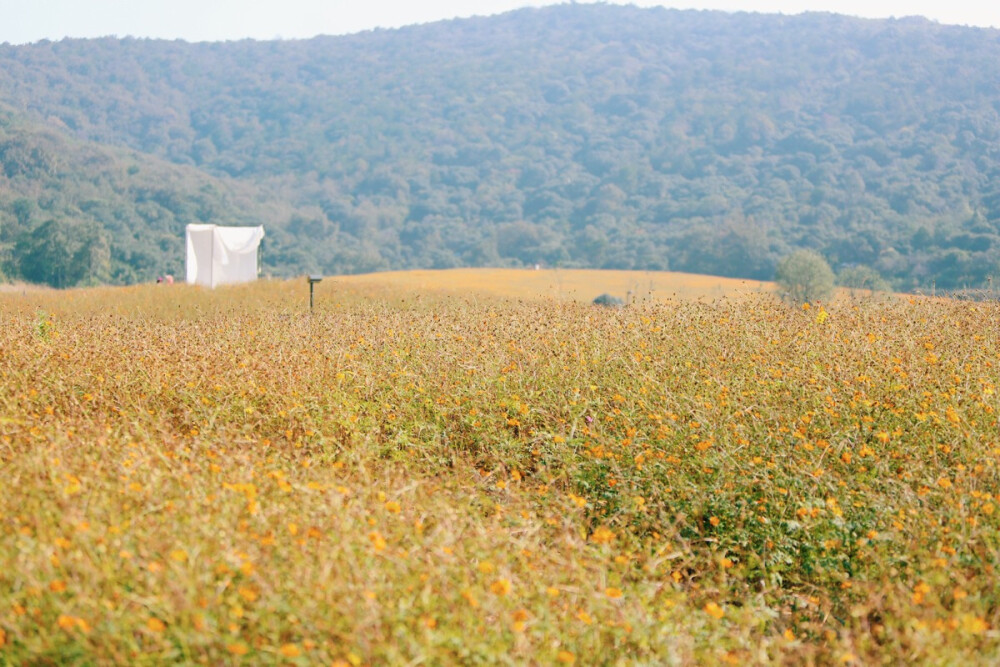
x=91, y=262
x=22, y=209
x=862, y=277
x=804, y=276
x=45, y=254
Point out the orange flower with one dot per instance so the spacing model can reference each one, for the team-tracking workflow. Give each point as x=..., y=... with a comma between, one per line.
x=290, y=651
x=602, y=536
x=155, y=625
x=613, y=593
x=68, y=623
x=919, y=591
x=378, y=542
x=714, y=610
x=500, y=587
x=974, y=625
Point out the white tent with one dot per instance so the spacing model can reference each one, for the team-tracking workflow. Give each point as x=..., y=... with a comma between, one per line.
x=220, y=255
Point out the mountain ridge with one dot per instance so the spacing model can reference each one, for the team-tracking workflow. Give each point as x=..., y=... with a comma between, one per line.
x=590, y=136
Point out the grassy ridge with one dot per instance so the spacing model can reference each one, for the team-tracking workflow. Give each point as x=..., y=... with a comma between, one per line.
x=213, y=476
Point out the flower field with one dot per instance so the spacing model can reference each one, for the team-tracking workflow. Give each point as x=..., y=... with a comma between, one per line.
x=414, y=477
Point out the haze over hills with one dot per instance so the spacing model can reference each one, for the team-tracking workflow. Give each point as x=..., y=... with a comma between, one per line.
x=575, y=136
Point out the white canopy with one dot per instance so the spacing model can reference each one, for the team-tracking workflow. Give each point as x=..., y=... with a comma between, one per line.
x=220, y=255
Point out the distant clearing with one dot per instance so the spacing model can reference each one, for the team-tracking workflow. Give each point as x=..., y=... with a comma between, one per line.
x=567, y=284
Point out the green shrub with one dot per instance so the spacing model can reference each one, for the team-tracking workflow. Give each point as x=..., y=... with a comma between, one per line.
x=862, y=277
x=804, y=276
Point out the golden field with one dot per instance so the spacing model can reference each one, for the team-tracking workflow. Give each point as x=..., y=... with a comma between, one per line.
x=581, y=285
x=412, y=475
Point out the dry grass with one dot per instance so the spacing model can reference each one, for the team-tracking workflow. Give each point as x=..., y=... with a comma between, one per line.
x=581, y=285
x=408, y=476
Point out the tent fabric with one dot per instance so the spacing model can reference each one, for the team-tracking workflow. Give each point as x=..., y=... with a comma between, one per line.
x=222, y=255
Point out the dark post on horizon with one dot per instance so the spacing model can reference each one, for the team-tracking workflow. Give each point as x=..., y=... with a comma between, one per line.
x=313, y=279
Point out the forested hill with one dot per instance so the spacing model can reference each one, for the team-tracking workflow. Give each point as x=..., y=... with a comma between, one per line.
x=577, y=135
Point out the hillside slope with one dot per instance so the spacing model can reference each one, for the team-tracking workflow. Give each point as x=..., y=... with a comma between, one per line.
x=81, y=212
x=578, y=136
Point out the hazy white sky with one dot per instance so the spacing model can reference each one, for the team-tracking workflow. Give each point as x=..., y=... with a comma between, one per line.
x=200, y=20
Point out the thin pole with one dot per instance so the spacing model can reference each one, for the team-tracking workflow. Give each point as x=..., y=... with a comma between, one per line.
x=311, y=283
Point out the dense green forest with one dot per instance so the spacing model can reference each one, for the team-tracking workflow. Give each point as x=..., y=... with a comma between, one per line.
x=576, y=135
x=76, y=212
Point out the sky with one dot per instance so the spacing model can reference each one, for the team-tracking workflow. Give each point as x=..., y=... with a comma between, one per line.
x=23, y=21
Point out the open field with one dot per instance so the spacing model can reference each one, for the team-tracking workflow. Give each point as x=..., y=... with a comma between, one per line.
x=413, y=476
x=581, y=285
